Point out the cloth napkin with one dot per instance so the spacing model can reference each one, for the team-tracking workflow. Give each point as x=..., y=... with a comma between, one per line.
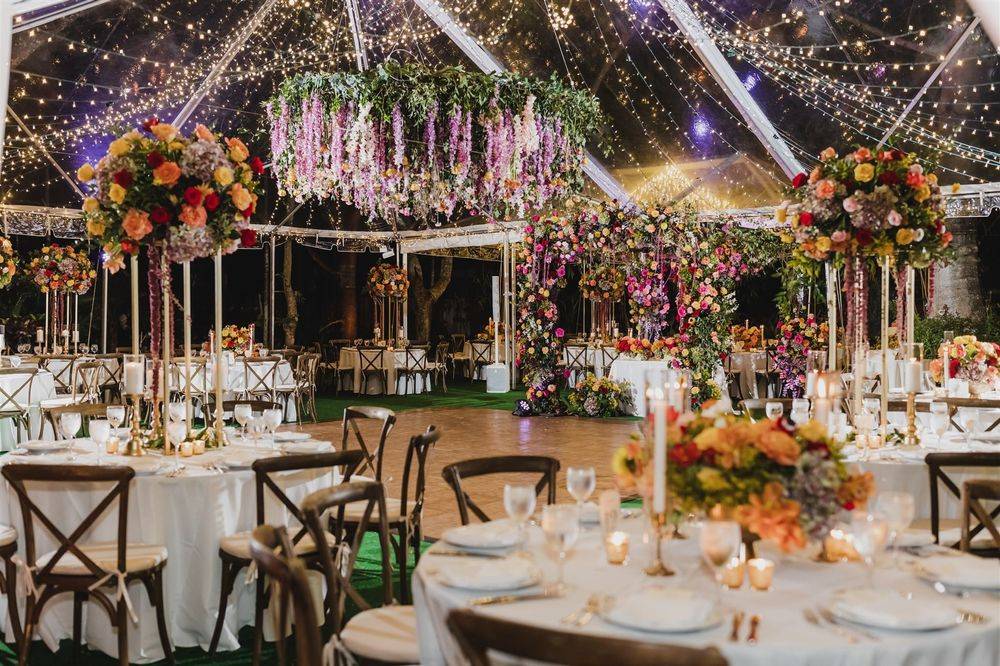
x=494, y=534
x=968, y=571
x=661, y=609
x=291, y=436
x=472, y=574
x=307, y=446
x=881, y=609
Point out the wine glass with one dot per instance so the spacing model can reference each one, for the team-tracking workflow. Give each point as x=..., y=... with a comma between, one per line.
x=800, y=411
x=970, y=423
x=177, y=411
x=242, y=414
x=897, y=509
x=69, y=425
x=519, y=503
x=100, y=432
x=773, y=410
x=940, y=421
x=272, y=419
x=176, y=431
x=561, y=527
x=719, y=541
x=580, y=482
x=257, y=426
x=868, y=536
x=116, y=415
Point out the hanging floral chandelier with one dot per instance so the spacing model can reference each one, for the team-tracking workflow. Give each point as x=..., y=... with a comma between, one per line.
x=406, y=142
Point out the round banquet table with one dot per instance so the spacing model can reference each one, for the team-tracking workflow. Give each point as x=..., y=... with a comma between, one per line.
x=392, y=360
x=785, y=637
x=42, y=388
x=189, y=514
x=633, y=370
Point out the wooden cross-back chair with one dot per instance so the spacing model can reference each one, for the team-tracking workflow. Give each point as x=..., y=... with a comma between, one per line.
x=370, y=364
x=16, y=403
x=576, y=360
x=260, y=377
x=457, y=343
x=354, y=415
x=440, y=367
x=270, y=549
x=306, y=368
x=403, y=514
x=88, y=381
x=234, y=550
x=61, y=367
x=938, y=465
x=973, y=403
x=482, y=355
x=974, y=492
x=112, y=374
x=198, y=378
x=608, y=354
x=256, y=407
x=87, y=411
x=455, y=473
x=414, y=367
x=477, y=635
x=383, y=635
x=756, y=408
x=83, y=569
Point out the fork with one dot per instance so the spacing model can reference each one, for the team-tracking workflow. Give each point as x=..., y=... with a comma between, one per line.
x=833, y=621
x=575, y=616
x=972, y=617
x=593, y=605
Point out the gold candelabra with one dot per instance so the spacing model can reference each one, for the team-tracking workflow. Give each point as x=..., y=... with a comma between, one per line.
x=137, y=438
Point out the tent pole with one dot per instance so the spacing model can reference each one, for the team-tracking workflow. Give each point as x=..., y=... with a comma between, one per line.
x=270, y=292
x=6, y=38
x=104, y=311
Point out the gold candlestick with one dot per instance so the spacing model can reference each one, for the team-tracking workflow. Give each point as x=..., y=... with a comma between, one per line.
x=911, y=438
x=660, y=530
x=137, y=439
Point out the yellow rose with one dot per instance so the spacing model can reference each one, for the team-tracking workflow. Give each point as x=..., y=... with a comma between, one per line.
x=85, y=173
x=922, y=193
x=163, y=131
x=932, y=177
x=904, y=236
x=241, y=197
x=955, y=187
x=223, y=176
x=237, y=149
x=91, y=205
x=823, y=243
x=95, y=227
x=812, y=430
x=711, y=480
x=116, y=193
x=780, y=214
x=864, y=172
x=119, y=147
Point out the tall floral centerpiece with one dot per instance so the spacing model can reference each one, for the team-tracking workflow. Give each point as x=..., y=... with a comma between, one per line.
x=59, y=272
x=237, y=339
x=8, y=262
x=970, y=360
x=388, y=285
x=409, y=142
x=603, y=286
x=782, y=483
x=797, y=337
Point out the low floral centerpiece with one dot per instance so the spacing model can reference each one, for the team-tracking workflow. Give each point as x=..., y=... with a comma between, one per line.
x=61, y=268
x=598, y=397
x=660, y=348
x=238, y=339
x=8, y=262
x=781, y=483
x=388, y=281
x=747, y=337
x=796, y=338
x=970, y=360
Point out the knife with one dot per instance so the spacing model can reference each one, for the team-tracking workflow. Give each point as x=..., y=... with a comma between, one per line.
x=511, y=598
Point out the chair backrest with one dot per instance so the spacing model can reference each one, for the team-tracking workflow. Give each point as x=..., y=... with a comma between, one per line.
x=355, y=414
x=441, y=353
x=338, y=562
x=61, y=368
x=112, y=368
x=608, y=356
x=90, y=377
x=17, y=398
x=261, y=374
x=974, y=492
x=370, y=358
x=265, y=469
x=256, y=407
x=86, y=410
x=457, y=342
x=416, y=358
x=455, y=473
x=482, y=352
x=477, y=634
x=50, y=477
x=270, y=548
x=755, y=408
x=575, y=356
x=415, y=469
x=306, y=364
x=937, y=464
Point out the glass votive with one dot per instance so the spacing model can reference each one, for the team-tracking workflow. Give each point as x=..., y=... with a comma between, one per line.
x=761, y=573
x=186, y=449
x=111, y=446
x=732, y=574
x=198, y=447
x=616, y=547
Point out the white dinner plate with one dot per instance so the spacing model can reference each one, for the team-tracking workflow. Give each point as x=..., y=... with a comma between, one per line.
x=961, y=571
x=307, y=446
x=291, y=436
x=660, y=609
x=487, y=536
x=38, y=446
x=488, y=575
x=143, y=466
x=883, y=609
x=243, y=459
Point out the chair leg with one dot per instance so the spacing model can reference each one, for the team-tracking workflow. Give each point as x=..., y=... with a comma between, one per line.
x=10, y=589
x=401, y=551
x=123, y=621
x=154, y=588
x=78, y=599
x=229, y=571
x=258, y=620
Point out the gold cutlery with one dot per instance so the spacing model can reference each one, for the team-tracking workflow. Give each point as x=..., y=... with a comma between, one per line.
x=754, y=623
x=734, y=634
x=972, y=617
x=511, y=598
x=814, y=620
x=592, y=607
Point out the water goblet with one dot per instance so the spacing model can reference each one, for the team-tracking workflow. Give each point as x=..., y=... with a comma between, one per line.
x=897, y=509
x=970, y=423
x=100, y=432
x=719, y=542
x=868, y=536
x=519, y=503
x=116, y=415
x=242, y=414
x=773, y=410
x=69, y=425
x=940, y=420
x=177, y=431
x=561, y=528
x=177, y=411
x=272, y=419
x=257, y=426
x=580, y=482
x=800, y=411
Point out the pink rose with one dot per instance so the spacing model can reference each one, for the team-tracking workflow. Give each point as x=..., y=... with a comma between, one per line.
x=895, y=219
x=825, y=189
x=851, y=204
x=838, y=236
x=560, y=332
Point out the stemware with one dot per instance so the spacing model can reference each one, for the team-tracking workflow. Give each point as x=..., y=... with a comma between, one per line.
x=177, y=411
x=176, y=431
x=69, y=424
x=519, y=503
x=773, y=410
x=940, y=420
x=580, y=482
x=242, y=414
x=719, y=542
x=257, y=426
x=897, y=509
x=800, y=411
x=561, y=527
x=116, y=415
x=868, y=535
x=970, y=422
x=100, y=432
x=272, y=419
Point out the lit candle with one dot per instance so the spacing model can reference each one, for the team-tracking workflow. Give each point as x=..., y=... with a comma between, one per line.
x=198, y=447
x=811, y=378
x=732, y=574
x=659, y=455
x=186, y=449
x=134, y=377
x=616, y=547
x=111, y=446
x=761, y=573
x=39, y=335
x=912, y=377
x=76, y=335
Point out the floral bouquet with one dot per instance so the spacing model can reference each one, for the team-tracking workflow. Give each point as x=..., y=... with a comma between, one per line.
x=61, y=268
x=8, y=262
x=796, y=338
x=605, y=283
x=489, y=330
x=388, y=280
x=652, y=349
x=971, y=360
x=648, y=300
x=238, y=339
x=601, y=397
x=194, y=194
x=781, y=483
x=746, y=337
x=871, y=203
x=543, y=394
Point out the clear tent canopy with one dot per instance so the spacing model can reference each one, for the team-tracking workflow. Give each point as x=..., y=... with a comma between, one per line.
x=713, y=102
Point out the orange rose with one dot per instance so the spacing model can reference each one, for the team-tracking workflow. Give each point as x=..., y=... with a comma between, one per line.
x=203, y=133
x=136, y=224
x=164, y=131
x=779, y=446
x=193, y=216
x=771, y=516
x=241, y=197
x=825, y=189
x=166, y=174
x=238, y=150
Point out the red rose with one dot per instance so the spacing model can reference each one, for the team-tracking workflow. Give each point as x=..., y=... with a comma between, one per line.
x=149, y=122
x=129, y=246
x=806, y=218
x=248, y=238
x=154, y=159
x=257, y=165
x=849, y=506
x=123, y=177
x=159, y=215
x=211, y=201
x=864, y=237
x=799, y=180
x=953, y=366
x=888, y=178
x=897, y=154
x=193, y=196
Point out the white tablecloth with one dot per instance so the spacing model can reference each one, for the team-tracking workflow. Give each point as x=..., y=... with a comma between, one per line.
x=350, y=358
x=189, y=515
x=634, y=371
x=785, y=638
x=42, y=388
x=746, y=364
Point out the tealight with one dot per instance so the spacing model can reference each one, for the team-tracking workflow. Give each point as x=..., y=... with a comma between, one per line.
x=761, y=573
x=732, y=574
x=186, y=449
x=198, y=447
x=111, y=446
x=616, y=547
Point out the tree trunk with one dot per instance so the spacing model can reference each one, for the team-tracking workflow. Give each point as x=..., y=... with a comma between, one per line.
x=291, y=319
x=956, y=286
x=425, y=297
